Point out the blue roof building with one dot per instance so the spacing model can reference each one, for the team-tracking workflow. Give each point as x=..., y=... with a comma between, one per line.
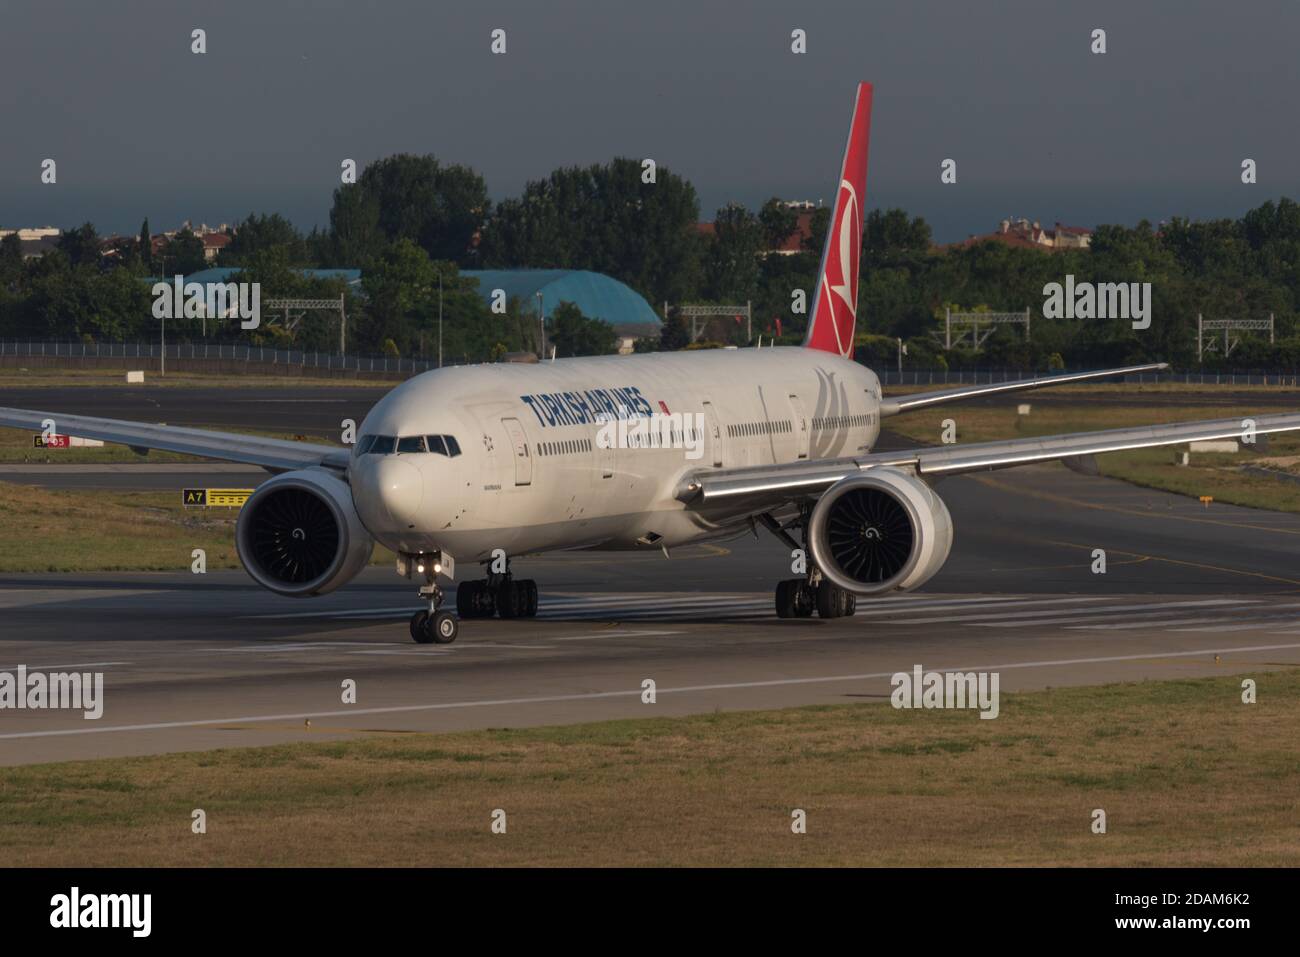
x=597, y=295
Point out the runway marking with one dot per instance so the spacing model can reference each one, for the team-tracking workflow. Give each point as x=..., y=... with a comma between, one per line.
x=1135, y=619
x=1142, y=513
x=1177, y=561
x=623, y=693
x=1095, y=610
x=878, y=610
x=83, y=664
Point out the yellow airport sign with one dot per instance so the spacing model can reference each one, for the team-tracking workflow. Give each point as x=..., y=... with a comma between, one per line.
x=215, y=497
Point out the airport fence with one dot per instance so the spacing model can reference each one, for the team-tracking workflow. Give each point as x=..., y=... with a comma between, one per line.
x=218, y=352
x=940, y=377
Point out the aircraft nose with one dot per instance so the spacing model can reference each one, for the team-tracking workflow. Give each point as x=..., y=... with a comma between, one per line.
x=396, y=489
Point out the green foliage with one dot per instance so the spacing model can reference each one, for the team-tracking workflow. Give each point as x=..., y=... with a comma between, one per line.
x=406, y=197
x=257, y=234
x=183, y=254
x=574, y=334
x=606, y=219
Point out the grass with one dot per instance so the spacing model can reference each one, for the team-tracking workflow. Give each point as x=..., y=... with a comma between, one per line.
x=1219, y=475
x=1187, y=774
x=56, y=530
x=11, y=377
x=16, y=448
x=48, y=530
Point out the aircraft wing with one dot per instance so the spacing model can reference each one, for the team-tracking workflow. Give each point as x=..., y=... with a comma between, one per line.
x=893, y=405
x=274, y=454
x=778, y=484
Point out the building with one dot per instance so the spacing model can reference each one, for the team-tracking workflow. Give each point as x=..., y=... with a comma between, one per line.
x=597, y=295
x=1023, y=234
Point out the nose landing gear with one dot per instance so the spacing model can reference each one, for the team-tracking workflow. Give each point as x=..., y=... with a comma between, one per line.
x=437, y=625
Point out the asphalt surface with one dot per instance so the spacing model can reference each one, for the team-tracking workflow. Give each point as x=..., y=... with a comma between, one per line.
x=194, y=662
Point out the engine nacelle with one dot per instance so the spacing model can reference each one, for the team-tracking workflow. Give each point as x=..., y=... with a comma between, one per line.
x=299, y=534
x=880, y=531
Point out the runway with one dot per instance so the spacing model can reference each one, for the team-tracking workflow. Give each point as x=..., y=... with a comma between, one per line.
x=204, y=662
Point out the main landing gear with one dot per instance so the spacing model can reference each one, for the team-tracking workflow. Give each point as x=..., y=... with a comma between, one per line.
x=497, y=594
x=800, y=597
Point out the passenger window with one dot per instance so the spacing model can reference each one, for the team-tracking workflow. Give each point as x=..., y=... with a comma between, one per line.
x=410, y=443
x=453, y=447
x=383, y=445
x=436, y=445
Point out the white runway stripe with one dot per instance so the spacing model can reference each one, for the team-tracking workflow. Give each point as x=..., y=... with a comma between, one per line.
x=1094, y=610
x=1137, y=618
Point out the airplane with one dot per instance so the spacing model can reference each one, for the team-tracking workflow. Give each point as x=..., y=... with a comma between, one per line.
x=476, y=464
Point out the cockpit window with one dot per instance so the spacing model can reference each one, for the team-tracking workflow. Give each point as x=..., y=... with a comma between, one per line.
x=383, y=445
x=363, y=446
x=410, y=443
x=443, y=445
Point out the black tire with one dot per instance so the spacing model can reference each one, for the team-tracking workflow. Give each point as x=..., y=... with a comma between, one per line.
x=419, y=628
x=466, y=598
x=785, y=598
x=830, y=600
x=509, y=598
x=805, y=601
x=443, y=628
x=850, y=604
x=528, y=607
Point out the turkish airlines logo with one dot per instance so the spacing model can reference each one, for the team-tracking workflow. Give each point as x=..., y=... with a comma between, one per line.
x=842, y=299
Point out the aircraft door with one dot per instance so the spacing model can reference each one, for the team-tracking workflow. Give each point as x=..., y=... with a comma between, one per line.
x=714, y=429
x=522, y=453
x=802, y=430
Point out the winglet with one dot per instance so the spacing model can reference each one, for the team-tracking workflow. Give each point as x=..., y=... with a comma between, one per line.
x=835, y=305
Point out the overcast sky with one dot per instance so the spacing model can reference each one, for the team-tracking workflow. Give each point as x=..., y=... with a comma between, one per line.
x=1039, y=125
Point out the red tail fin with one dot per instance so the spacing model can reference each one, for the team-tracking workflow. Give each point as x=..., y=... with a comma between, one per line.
x=835, y=305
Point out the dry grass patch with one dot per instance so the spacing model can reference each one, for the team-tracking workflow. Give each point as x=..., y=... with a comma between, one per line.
x=1187, y=774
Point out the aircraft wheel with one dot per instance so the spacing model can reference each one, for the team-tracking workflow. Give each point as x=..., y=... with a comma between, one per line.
x=419, y=629
x=850, y=603
x=509, y=600
x=785, y=598
x=528, y=606
x=466, y=593
x=805, y=601
x=443, y=628
x=830, y=600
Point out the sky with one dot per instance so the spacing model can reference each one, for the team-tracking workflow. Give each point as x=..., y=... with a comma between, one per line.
x=1039, y=125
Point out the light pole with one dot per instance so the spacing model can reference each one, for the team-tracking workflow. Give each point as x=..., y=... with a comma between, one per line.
x=439, y=319
x=902, y=351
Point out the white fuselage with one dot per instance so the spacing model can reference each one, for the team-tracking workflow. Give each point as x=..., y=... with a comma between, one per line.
x=533, y=475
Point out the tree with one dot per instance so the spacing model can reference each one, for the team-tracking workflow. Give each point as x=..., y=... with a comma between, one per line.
x=733, y=254
x=257, y=233
x=608, y=219
x=11, y=260
x=183, y=254
x=779, y=221
x=674, y=335
x=438, y=207
x=81, y=245
x=574, y=334
x=146, y=245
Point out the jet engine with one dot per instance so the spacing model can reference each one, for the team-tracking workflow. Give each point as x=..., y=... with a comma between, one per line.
x=879, y=531
x=299, y=534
